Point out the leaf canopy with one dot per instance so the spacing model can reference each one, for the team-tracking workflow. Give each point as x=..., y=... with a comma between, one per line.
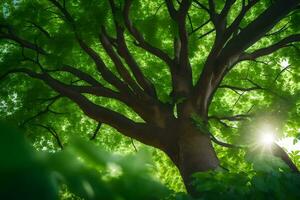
x=38, y=35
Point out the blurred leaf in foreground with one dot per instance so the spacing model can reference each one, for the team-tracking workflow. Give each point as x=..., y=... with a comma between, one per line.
x=87, y=172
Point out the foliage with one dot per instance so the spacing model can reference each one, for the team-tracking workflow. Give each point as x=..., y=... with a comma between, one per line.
x=84, y=169
x=260, y=185
x=267, y=178
x=250, y=91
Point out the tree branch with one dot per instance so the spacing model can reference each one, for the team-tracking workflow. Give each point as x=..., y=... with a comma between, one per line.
x=235, y=24
x=226, y=8
x=279, y=152
x=200, y=5
x=270, y=49
x=215, y=140
x=234, y=88
x=205, y=34
x=78, y=73
x=10, y=35
x=118, y=63
x=105, y=72
x=212, y=7
x=258, y=28
x=98, y=91
x=139, y=76
x=124, y=52
x=172, y=11
x=64, y=11
x=184, y=62
x=201, y=26
x=140, y=131
x=182, y=72
x=53, y=133
x=42, y=112
x=221, y=59
x=41, y=29
x=281, y=71
x=239, y=117
x=96, y=131
x=283, y=28
x=140, y=39
x=96, y=88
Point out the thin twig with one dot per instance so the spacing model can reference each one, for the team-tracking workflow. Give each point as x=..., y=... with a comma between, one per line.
x=132, y=142
x=53, y=133
x=215, y=140
x=96, y=131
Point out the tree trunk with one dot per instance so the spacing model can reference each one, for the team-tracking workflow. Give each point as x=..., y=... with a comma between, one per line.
x=194, y=153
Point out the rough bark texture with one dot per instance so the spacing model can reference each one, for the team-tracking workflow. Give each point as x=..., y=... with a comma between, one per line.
x=196, y=154
x=189, y=149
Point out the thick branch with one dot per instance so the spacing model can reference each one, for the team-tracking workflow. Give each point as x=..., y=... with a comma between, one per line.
x=140, y=39
x=226, y=8
x=236, y=23
x=124, y=52
x=171, y=9
x=98, y=91
x=271, y=49
x=6, y=32
x=96, y=88
x=218, y=63
x=99, y=113
x=118, y=63
x=80, y=74
x=63, y=10
x=184, y=63
x=212, y=7
x=182, y=72
x=258, y=28
x=279, y=152
x=131, y=62
x=139, y=107
x=105, y=72
x=139, y=131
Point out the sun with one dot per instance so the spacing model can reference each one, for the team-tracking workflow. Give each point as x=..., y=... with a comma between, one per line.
x=267, y=135
x=267, y=139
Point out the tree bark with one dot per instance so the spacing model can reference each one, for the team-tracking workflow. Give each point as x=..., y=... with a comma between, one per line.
x=193, y=153
x=196, y=155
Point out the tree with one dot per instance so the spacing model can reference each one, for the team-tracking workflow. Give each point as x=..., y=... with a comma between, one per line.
x=172, y=63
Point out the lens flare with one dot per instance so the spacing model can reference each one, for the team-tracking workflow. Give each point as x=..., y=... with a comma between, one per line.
x=267, y=138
